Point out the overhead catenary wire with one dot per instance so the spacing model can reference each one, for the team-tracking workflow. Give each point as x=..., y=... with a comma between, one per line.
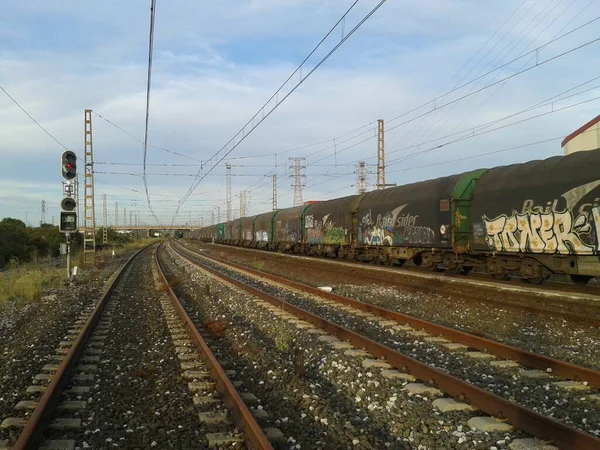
x=226, y=150
x=148, y=87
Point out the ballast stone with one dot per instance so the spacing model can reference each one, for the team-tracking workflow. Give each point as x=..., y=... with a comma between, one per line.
x=275, y=435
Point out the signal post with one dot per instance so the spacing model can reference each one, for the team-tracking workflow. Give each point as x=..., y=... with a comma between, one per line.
x=68, y=214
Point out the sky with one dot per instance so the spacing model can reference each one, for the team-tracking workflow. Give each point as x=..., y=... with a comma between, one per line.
x=459, y=85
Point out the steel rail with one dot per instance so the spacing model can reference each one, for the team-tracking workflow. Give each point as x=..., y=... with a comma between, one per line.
x=413, y=272
x=525, y=419
x=242, y=417
x=559, y=368
x=36, y=425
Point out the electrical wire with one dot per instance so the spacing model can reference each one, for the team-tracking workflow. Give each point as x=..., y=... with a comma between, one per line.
x=31, y=117
x=150, y=52
x=245, y=134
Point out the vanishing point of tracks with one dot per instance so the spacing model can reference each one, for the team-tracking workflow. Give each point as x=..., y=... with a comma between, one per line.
x=524, y=418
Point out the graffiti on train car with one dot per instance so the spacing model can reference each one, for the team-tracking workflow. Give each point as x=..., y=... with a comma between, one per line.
x=552, y=232
x=545, y=229
x=393, y=228
x=261, y=236
x=323, y=231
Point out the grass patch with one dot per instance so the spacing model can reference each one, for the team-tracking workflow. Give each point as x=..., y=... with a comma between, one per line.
x=25, y=282
x=284, y=338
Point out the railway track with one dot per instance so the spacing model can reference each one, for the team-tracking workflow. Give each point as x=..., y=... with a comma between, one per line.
x=574, y=303
x=380, y=336
x=117, y=385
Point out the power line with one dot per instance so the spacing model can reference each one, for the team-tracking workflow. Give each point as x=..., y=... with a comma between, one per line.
x=150, y=52
x=242, y=134
x=31, y=117
x=142, y=142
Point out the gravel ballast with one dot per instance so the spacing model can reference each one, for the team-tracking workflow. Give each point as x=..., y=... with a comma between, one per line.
x=572, y=407
x=380, y=407
x=31, y=331
x=138, y=398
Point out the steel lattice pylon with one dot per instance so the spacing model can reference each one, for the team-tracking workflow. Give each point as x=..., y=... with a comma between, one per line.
x=298, y=167
x=89, y=214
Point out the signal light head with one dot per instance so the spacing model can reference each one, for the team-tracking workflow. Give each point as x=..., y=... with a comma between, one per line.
x=68, y=204
x=69, y=165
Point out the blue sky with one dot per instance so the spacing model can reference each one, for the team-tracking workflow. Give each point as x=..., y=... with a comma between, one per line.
x=216, y=63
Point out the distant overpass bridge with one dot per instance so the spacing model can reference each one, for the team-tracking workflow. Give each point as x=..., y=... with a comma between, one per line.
x=148, y=229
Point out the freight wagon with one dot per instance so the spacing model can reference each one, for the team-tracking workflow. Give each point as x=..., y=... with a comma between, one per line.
x=537, y=218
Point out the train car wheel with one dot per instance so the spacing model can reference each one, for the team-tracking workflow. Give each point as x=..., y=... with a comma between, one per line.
x=500, y=276
x=580, y=279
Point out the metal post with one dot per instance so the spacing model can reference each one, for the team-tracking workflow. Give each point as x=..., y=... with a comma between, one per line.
x=68, y=256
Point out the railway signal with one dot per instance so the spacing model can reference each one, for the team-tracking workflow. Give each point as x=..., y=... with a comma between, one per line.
x=68, y=215
x=69, y=165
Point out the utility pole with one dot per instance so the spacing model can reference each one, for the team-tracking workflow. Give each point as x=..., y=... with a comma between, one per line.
x=89, y=218
x=116, y=224
x=104, y=221
x=43, y=215
x=228, y=189
x=298, y=167
x=381, y=157
x=218, y=214
x=274, y=192
x=212, y=221
x=361, y=178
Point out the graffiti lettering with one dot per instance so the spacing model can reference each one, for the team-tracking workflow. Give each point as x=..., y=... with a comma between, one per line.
x=418, y=235
x=548, y=232
x=392, y=228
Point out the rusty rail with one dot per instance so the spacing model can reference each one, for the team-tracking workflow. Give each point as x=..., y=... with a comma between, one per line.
x=36, y=425
x=242, y=417
x=587, y=314
x=559, y=368
x=523, y=418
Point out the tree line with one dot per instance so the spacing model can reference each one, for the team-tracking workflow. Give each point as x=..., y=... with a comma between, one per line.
x=22, y=244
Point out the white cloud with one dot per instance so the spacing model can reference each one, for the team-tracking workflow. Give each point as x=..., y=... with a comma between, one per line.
x=210, y=77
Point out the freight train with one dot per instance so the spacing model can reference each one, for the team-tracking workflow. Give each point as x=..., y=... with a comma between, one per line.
x=537, y=218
